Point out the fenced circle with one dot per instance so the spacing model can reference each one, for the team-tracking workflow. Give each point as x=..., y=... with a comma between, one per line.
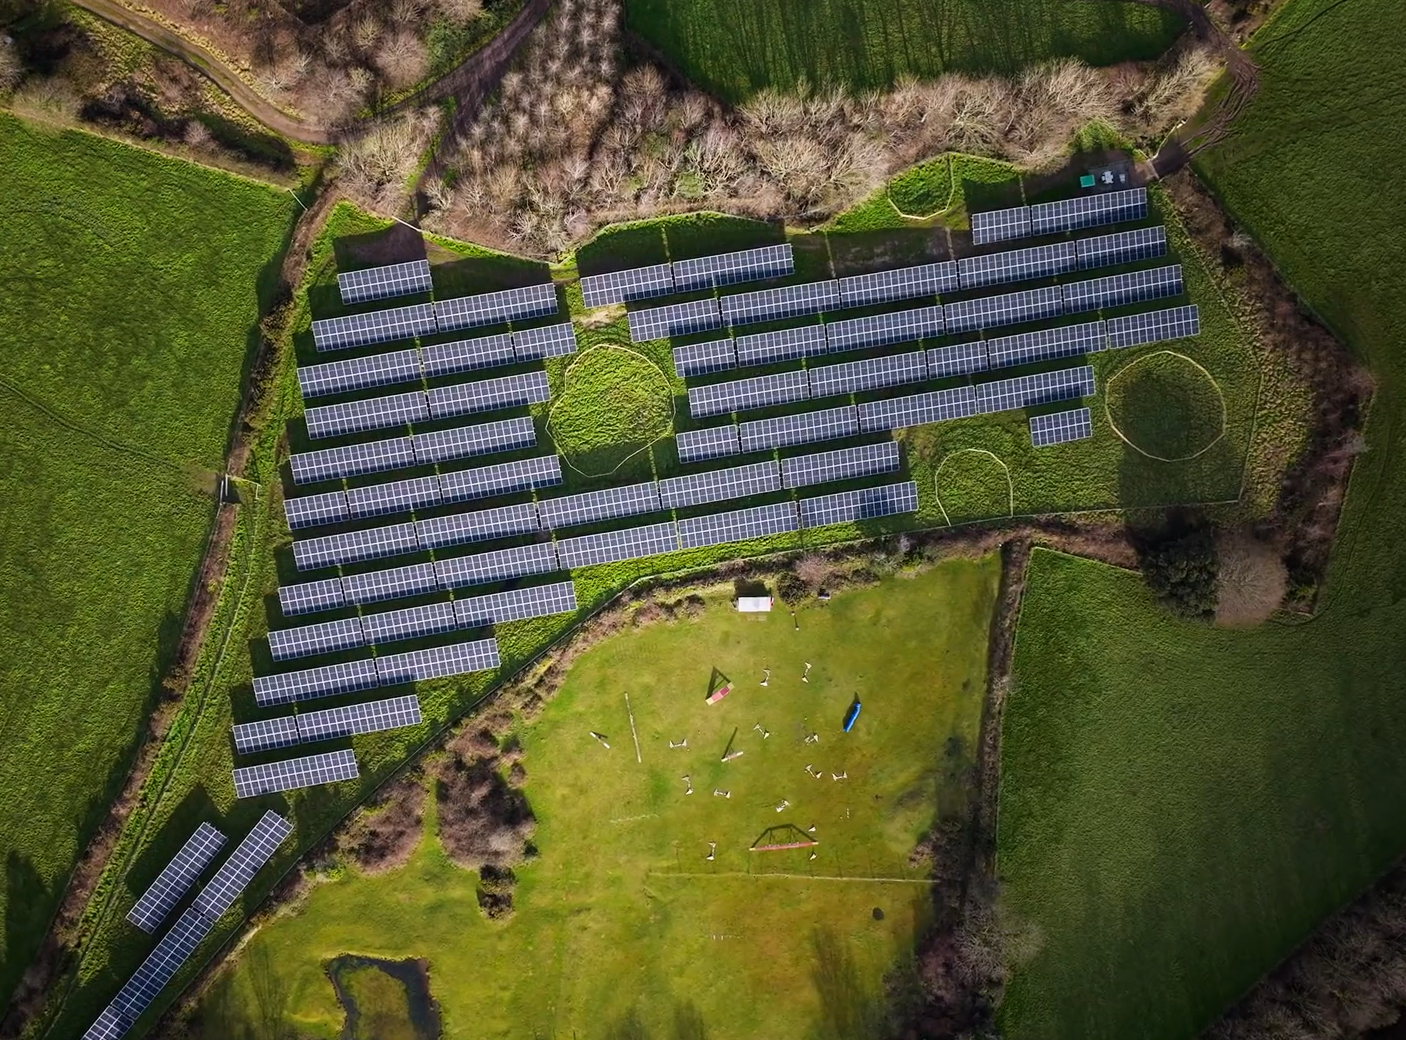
x=1005, y=472
x=1166, y=407
x=615, y=404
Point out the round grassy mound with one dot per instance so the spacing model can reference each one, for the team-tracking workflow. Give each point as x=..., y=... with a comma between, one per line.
x=924, y=190
x=1166, y=406
x=615, y=405
x=973, y=484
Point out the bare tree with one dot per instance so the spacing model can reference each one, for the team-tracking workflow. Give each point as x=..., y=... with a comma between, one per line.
x=1251, y=582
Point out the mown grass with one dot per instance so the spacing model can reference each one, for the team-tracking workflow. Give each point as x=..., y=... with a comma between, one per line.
x=615, y=403
x=612, y=922
x=1180, y=805
x=132, y=289
x=734, y=48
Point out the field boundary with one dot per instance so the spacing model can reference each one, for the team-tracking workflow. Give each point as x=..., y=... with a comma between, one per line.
x=1220, y=395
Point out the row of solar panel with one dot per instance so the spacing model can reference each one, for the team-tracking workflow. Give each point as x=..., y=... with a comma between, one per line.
x=418, y=622
x=191, y=928
x=708, y=272
x=382, y=283
x=1048, y=218
x=425, y=319
x=941, y=362
x=436, y=360
x=876, y=416
x=353, y=676
x=443, y=402
x=418, y=449
x=293, y=773
x=329, y=724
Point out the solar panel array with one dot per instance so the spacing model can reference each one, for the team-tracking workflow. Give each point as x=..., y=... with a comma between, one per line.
x=1042, y=388
x=337, y=377
x=1115, y=290
x=1122, y=247
x=515, y=605
x=352, y=460
x=398, y=496
x=395, y=583
x=352, y=546
x=868, y=374
x=1061, y=427
x=464, y=442
x=161, y=964
x=1000, y=225
x=391, y=626
x=865, y=460
x=310, y=596
x=638, y=283
x=917, y=410
x=805, y=428
x=1017, y=265
x=675, y=319
x=781, y=345
x=544, y=342
x=324, y=681
x=467, y=355
x=315, y=510
x=360, y=330
x=613, y=546
x=381, y=283
x=1045, y=344
x=736, y=526
x=785, y=301
x=324, y=638
x=709, y=272
x=244, y=862
x=499, y=565
x=882, y=329
x=437, y=662
x=484, y=525
x=987, y=312
x=354, y=719
x=293, y=773
x=863, y=504
x=958, y=359
x=743, y=394
x=336, y=420
x=175, y=879
x=593, y=506
x=698, y=489
x=265, y=735
x=496, y=308
x=711, y=443
x=1154, y=326
x=699, y=359
x=905, y=283
x=500, y=479
x=1088, y=211
x=489, y=395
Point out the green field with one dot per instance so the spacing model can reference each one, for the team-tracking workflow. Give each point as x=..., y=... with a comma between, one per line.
x=734, y=48
x=130, y=291
x=1180, y=806
x=620, y=917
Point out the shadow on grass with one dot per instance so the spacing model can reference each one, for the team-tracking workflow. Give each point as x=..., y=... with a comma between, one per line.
x=849, y=1010
x=195, y=808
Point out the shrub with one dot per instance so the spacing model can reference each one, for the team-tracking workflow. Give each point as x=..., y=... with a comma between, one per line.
x=1251, y=582
x=1181, y=568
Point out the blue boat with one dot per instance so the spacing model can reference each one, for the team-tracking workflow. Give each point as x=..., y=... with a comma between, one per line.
x=852, y=714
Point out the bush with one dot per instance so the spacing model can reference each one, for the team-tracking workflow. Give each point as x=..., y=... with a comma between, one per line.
x=1252, y=580
x=1182, y=570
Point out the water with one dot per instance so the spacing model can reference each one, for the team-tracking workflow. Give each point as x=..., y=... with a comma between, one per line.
x=412, y=979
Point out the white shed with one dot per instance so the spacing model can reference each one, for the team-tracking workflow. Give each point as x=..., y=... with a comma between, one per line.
x=753, y=604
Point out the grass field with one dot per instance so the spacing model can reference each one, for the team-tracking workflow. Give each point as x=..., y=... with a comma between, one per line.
x=1180, y=806
x=620, y=918
x=734, y=48
x=132, y=286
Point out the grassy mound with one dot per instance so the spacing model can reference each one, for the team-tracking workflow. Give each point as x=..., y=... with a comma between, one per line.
x=615, y=404
x=1166, y=405
x=923, y=190
x=973, y=485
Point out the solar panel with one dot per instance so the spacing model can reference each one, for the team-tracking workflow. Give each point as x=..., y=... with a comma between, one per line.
x=468, y=355
x=313, y=510
x=781, y=345
x=711, y=443
x=1043, y=388
x=265, y=735
x=987, y=312
x=547, y=341
x=482, y=526
x=864, y=504
x=1115, y=290
x=109, y=1025
x=698, y=359
x=175, y=879
x=959, y=359
x=827, y=424
x=354, y=719
x=1088, y=211
x=905, y=283
x=738, y=525
x=294, y=773
x=400, y=496
x=336, y=420
x=1154, y=326
x=900, y=412
x=287, y=687
x=244, y=862
x=879, y=330
x=843, y=464
x=351, y=460
x=412, y=580
x=339, y=377
x=161, y=964
x=709, y=272
x=868, y=374
x=742, y=394
x=1045, y=344
x=1061, y=427
x=515, y=605
x=324, y=638
x=499, y=565
x=310, y=554
x=1122, y=247
x=391, y=626
x=675, y=319
x=629, y=500
x=466, y=441
x=784, y=301
x=380, y=283
x=437, y=662
x=638, y=283
x=360, y=330
x=500, y=479
x=1017, y=265
x=1000, y=225
x=495, y=308
x=613, y=546
x=489, y=395
x=698, y=489
x=310, y=596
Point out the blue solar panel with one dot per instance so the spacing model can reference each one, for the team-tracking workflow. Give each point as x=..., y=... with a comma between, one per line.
x=1154, y=326
x=614, y=546
x=786, y=301
x=287, y=687
x=391, y=626
x=400, y=496
x=699, y=359
x=743, y=394
x=1061, y=427
x=496, y=308
x=1042, y=388
x=339, y=377
x=489, y=395
x=879, y=330
x=959, y=359
x=352, y=460
x=464, y=442
x=1122, y=247
x=416, y=579
x=1017, y=265
x=311, y=596
x=500, y=479
x=1046, y=344
x=866, y=460
x=440, y=532
x=381, y=283
x=377, y=413
x=606, y=504
x=359, y=330
x=711, y=443
x=1088, y=211
x=864, y=504
x=468, y=355
x=1000, y=225
x=917, y=410
x=548, y=341
x=500, y=565
x=709, y=272
x=314, y=510
x=905, y=283
x=676, y=319
x=986, y=312
x=868, y=374
x=1116, y=290
x=439, y=662
x=352, y=546
x=737, y=526
x=805, y=428
x=781, y=345
x=638, y=283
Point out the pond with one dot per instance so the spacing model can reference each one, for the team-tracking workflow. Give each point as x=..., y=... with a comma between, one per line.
x=385, y=1000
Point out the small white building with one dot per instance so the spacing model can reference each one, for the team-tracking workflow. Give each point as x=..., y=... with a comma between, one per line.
x=753, y=604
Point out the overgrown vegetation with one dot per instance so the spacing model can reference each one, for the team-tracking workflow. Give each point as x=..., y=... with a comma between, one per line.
x=1181, y=568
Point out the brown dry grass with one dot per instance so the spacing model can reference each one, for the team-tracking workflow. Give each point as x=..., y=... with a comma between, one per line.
x=384, y=834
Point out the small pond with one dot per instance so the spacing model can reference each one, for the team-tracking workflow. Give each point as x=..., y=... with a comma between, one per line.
x=385, y=1000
